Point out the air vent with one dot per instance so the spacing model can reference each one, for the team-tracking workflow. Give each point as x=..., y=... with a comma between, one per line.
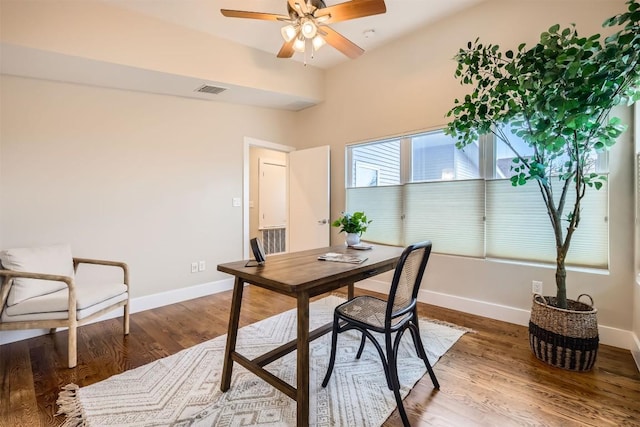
x=274, y=240
x=210, y=89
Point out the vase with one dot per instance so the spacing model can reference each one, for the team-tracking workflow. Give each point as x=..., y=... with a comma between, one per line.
x=566, y=339
x=353, y=239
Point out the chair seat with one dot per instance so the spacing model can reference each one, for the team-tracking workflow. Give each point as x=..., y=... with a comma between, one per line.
x=89, y=300
x=368, y=310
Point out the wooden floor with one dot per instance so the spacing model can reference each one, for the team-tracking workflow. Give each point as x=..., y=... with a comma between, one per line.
x=488, y=378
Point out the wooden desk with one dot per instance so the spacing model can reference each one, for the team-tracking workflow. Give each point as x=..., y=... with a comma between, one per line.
x=299, y=275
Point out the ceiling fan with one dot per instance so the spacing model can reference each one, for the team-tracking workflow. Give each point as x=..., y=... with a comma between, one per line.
x=308, y=24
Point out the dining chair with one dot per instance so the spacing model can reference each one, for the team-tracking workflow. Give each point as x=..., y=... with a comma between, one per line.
x=396, y=315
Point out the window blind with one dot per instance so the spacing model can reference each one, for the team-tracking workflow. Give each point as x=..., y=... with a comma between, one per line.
x=384, y=206
x=519, y=228
x=449, y=213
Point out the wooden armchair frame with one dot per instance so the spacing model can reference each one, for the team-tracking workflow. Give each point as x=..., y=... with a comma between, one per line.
x=71, y=321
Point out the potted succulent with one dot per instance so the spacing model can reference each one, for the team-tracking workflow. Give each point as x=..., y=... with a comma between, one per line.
x=353, y=224
x=557, y=96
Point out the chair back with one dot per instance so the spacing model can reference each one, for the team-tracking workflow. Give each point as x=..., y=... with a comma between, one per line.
x=407, y=279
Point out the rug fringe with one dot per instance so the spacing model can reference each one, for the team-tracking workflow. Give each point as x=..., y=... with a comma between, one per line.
x=449, y=324
x=69, y=406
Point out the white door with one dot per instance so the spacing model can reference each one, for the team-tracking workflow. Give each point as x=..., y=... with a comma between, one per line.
x=309, y=199
x=272, y=194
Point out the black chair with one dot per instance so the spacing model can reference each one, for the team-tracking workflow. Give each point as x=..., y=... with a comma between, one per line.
x=396, y=315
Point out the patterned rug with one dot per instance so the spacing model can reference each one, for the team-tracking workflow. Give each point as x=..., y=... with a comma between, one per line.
x=184, y=389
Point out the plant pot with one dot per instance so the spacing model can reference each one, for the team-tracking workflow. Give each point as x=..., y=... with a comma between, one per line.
x=566, y=339
x=353, y=239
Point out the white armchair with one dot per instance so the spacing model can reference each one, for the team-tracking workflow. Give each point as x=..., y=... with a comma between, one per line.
x=39, y=291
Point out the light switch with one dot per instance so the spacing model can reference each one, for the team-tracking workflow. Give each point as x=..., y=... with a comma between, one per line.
x=236, y=202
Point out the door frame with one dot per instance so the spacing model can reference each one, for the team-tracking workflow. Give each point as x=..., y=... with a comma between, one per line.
x=248, y=143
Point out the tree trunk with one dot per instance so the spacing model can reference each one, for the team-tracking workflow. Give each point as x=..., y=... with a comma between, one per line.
x=561, y=283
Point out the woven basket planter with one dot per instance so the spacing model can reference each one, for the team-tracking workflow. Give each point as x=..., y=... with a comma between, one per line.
x=566, y=339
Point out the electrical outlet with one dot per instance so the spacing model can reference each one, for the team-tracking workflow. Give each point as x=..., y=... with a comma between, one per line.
x=536, y=287
x=194, y=267
x=202, y=266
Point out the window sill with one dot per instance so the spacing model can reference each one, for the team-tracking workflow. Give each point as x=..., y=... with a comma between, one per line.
x=588, y=270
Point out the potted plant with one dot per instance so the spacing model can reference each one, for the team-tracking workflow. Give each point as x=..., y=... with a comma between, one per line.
x=557, y=96
x=353, y=224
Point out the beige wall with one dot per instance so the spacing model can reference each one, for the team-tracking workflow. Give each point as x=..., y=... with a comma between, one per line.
x=636, y=304
x=147, y=179
x=408, y=85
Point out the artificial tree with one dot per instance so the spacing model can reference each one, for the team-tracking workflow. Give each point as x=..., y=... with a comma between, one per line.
x=557, y=96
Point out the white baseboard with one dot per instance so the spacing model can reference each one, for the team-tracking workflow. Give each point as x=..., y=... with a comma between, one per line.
x=608, y=335
x=138, y=304
x=635, y=350
x=178, y=295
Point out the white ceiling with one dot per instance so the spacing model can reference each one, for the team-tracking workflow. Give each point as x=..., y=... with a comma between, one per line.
x=402, y=17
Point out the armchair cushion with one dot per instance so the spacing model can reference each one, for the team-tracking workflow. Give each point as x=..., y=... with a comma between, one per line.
x=86, y=296
x=46, y=259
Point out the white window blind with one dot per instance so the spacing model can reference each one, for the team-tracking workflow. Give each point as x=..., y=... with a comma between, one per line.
x=384, y=206
x=449, y=213
x=518, y=226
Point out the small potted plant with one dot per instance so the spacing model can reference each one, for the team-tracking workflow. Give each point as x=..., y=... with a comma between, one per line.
x=353, y=224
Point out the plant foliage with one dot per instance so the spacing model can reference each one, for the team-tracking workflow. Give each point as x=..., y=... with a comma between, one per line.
x=352, y=223
x=557, y=96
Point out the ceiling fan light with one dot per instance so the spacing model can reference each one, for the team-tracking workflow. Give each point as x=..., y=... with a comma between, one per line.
x=309, y=29
x=318, y=41
x=288, y=32
x=299, y=44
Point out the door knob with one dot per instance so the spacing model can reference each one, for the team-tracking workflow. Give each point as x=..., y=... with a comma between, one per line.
x=323, y=221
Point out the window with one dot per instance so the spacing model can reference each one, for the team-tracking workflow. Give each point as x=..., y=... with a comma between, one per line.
x=510, y=208
x=366, y=174
x=381, y=159
x=421, y=186
x=504, y=156
x=434, y=157
x=441, y=197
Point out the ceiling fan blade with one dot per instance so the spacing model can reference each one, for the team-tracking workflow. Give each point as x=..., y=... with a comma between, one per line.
x=253, y=15
x=300, y=6
x=286, y=51
x=351, y=10
x=341, y=43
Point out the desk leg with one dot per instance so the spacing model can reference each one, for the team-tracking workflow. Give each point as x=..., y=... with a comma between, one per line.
x=302, y=375
x=232, y=334
x=350, y=291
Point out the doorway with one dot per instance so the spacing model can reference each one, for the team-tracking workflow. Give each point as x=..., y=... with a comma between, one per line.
x=268, y=204
x=306, y=198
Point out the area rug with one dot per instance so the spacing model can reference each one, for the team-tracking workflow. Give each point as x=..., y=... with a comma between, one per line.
x=184, y=389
